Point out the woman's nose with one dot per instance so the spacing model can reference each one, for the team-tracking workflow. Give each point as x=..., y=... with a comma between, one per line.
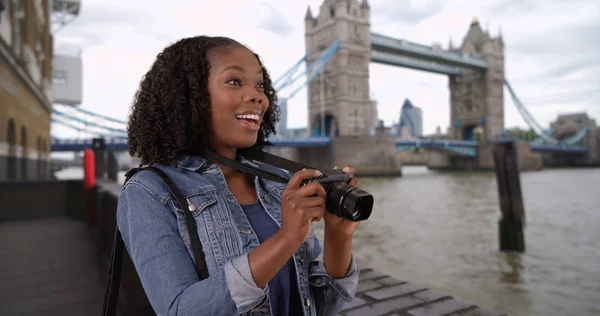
x=254, y=98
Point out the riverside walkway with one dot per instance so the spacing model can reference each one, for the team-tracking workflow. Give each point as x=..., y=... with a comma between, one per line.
x=51, y=263
x=48, y=267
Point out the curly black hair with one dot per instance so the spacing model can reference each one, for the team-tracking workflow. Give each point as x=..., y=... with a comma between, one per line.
x=170, y=114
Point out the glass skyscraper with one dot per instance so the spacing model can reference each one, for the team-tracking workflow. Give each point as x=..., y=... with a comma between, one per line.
x=412, y=118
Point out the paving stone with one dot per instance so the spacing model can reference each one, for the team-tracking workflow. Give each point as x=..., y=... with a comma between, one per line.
x=478, y=312
x=441, y=308
x=385, y=307
x=389, y=281
x=370, y=275
x=356, y=302
x=367, y=285
x=430, y=295
x=398, y=290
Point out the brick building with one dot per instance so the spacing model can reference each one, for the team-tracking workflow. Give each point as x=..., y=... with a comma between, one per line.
x=25, y=89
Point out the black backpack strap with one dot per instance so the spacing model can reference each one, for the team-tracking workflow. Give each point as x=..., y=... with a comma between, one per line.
x=113, y=279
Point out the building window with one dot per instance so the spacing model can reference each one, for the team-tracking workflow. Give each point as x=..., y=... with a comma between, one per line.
x=59, y=77
x=332, y=12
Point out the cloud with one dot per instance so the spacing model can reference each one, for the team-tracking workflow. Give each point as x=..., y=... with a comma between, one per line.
x=96, y=21
x=275, y=21
x=408, y=12
x=553, y=56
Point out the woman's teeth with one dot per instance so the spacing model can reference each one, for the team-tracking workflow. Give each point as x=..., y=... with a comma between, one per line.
x=253, y=117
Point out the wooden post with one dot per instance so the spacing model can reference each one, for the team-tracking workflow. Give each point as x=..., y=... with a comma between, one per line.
x=112, y=166
x=509, y=193
x=99, y=148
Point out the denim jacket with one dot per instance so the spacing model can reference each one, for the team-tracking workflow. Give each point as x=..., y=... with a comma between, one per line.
x=156, y=237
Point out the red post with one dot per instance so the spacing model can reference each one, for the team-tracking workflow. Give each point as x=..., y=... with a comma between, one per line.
x=89, y=183
x=89, y=166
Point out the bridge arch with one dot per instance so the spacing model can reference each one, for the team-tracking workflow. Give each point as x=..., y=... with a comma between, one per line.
x=325, y=126
x=11, y=159
x=24, y=153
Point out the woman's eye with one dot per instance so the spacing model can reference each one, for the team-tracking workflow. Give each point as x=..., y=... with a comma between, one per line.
x=234, y=82
x=261, y=85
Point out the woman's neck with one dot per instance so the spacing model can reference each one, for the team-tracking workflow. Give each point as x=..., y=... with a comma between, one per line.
x=227, y=152
x=240, y=184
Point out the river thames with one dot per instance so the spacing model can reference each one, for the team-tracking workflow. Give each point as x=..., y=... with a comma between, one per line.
x=439, y=229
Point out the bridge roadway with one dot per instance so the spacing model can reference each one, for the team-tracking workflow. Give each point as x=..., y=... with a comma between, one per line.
x=51, y=266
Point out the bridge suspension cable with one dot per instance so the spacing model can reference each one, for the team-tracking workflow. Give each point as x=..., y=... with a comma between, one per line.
x=531, y=122
x=311, y=71
x=85, y=130
x=577, y=137
x=73, y=118
x=538, y=129
x=96, y=115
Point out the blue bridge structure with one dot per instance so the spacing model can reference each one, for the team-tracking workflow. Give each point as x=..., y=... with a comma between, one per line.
x=465, y=67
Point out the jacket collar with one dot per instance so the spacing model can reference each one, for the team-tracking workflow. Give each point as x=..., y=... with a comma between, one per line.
x=195, y=163
x=189, y=162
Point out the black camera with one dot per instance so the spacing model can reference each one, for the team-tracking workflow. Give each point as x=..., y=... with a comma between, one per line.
x=344, y=200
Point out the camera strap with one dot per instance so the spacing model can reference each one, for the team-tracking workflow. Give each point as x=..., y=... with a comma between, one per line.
x=254, y=170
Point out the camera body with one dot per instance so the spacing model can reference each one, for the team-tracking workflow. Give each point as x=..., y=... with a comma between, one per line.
x=342, y=199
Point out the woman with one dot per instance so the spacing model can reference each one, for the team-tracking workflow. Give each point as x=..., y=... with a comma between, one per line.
x=260, y=251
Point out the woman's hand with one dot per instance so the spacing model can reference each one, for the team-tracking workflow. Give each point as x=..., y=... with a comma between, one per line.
x=337, y=226
x=337, y=253
x=301, y=205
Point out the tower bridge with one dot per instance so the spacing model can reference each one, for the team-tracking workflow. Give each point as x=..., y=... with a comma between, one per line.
x=339, y=48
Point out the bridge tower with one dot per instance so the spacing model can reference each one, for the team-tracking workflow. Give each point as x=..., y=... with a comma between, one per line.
x=477, y=97
x=339, y=100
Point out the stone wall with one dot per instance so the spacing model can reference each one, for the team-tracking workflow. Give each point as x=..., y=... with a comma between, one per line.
x=485, y=159
x=438, y=160
x=411, y=157
x=316, y=157
x=369, y=155
x=528, y=160
x=21, y=200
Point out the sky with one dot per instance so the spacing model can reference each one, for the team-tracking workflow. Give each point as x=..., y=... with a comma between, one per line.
x=552, y=50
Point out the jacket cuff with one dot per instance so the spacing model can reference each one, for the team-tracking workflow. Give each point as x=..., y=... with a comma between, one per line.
x=244, y=291
x=345, y=287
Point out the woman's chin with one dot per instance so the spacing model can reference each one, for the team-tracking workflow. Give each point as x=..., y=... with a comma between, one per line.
x=245, y=143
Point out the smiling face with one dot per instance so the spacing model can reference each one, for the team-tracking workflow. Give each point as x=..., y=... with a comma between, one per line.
x=237, y=98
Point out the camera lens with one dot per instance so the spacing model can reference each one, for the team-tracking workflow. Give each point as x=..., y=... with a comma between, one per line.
x=349, y=202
